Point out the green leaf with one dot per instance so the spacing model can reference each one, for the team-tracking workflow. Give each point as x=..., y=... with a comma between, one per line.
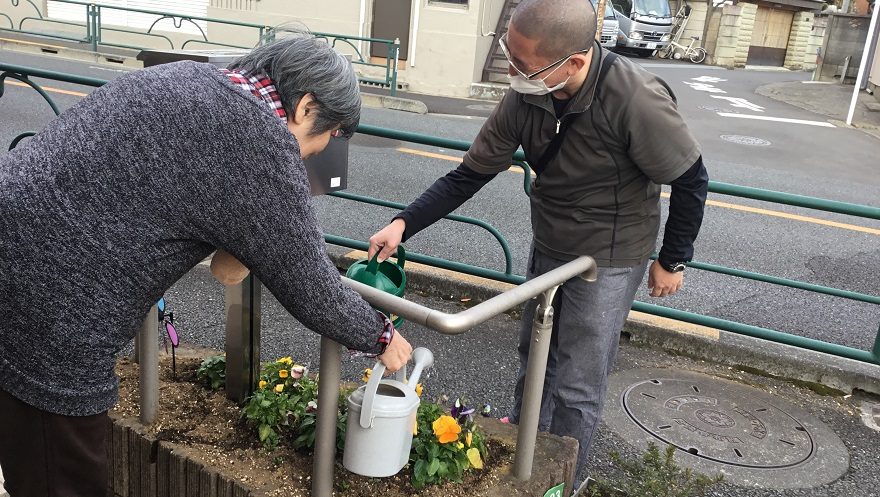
x=420, y=471
x=434, y=466
x=265, y=431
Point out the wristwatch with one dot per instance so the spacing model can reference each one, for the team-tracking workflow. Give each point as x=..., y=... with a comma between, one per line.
x=674, y=267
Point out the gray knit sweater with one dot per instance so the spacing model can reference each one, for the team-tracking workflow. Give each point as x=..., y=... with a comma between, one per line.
x=119, y=197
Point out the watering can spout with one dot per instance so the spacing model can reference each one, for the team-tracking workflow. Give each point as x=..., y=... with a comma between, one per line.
x=423, y=358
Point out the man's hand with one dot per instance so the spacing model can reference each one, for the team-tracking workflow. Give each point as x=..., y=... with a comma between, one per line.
x=662, y=283
x=387, y=239
x=397, y=353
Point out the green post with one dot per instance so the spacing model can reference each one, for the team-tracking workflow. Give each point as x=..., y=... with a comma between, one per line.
x=92, y=18
x=876, y=350
x=95, y=14
x=396, y=49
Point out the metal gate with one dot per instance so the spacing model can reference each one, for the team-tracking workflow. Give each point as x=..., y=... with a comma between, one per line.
x=770, y=37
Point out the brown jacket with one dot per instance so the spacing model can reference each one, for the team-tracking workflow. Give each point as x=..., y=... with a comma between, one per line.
x=600, y=195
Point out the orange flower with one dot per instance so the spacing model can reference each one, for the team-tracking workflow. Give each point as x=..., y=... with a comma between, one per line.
x=283, y=373
x=446, y=429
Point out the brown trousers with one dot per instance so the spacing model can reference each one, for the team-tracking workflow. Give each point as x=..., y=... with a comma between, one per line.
x=49, y=455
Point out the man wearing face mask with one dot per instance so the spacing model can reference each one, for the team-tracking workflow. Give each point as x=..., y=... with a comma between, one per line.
x=602, y=134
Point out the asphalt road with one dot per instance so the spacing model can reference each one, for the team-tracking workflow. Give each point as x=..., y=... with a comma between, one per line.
x=803, y=158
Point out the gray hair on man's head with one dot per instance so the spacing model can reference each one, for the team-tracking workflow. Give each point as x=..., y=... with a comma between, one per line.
x=299, y=63
x=561, y=27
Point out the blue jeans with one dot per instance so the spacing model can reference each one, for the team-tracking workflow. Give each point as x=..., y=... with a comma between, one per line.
x=588, y=319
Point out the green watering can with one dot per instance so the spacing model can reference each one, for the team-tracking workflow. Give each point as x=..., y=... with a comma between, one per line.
x=385, y=276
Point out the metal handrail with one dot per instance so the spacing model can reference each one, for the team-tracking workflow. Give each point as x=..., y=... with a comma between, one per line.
x=455, y=324
x=544, y=285
x=505, y=247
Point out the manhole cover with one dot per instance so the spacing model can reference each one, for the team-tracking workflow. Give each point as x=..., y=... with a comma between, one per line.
x=723, y=426
x=697, y=417
x=746, y=140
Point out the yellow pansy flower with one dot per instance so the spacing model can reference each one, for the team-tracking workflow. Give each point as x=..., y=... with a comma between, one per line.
x=419, y=389
x=262, y=384
x=446, y=429
x=459, y=445
x=473, y=456
x=283, y=373
x=286, y=360
x=279, y=388
x=367, y=373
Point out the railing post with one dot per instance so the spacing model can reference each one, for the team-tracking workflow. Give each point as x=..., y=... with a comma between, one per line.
x=876, y=349
x=242, y=338
x=542, y=328
x=396, y=48
x=147, y=342
x=93, y=14
x=328, y=405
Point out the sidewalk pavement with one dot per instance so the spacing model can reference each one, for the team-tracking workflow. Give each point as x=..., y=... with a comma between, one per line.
x=829, y=99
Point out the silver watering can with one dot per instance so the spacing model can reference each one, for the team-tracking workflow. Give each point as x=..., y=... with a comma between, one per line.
x=381, y=418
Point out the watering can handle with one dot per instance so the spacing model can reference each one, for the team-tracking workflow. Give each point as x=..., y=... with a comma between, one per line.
x=370, y=392
x=373, y=264
x=401, y=256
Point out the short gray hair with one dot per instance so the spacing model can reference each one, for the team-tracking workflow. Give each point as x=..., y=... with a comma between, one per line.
x=561, y=27
x=299, y=63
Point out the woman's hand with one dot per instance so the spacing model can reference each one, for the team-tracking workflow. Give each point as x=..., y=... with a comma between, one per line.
x=397, y=353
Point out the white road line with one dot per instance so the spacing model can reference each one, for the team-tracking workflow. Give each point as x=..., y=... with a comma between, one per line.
x=778, y=119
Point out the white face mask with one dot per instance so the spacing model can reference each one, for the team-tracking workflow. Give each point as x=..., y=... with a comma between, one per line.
x=521, y=84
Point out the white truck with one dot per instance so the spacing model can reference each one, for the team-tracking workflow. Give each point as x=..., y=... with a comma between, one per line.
x=645, y=25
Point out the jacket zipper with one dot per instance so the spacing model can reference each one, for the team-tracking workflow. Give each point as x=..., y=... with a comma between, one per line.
x=558, y=123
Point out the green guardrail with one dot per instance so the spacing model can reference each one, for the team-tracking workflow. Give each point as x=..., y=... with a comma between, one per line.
x=24, y=74
x=94, y=29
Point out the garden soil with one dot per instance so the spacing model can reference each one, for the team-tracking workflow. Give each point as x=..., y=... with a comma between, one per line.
x=210, y=425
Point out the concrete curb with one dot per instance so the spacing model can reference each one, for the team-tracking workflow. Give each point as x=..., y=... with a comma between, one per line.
x=393, y=103
x=38, y=46
x=822, y=373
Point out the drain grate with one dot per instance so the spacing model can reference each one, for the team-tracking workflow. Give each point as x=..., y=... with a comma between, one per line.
x=699, y=418
x=751, y=437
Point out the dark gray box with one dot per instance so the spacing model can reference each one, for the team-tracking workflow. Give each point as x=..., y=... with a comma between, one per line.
x=328, y=171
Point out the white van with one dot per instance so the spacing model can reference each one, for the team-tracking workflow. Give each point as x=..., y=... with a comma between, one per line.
x=610, y=26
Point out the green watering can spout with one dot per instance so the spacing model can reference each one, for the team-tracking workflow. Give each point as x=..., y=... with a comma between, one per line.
x=385, y=276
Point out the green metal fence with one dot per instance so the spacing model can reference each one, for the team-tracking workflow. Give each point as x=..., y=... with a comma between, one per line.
x=868, y=212
x=92, y=29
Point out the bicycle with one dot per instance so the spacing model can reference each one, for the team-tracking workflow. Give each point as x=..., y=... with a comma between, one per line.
x=696, y=54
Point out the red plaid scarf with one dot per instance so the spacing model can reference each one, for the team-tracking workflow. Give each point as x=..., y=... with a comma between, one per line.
x=262, y=87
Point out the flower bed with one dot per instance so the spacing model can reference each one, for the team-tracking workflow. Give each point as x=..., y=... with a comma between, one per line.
x=201, y=445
